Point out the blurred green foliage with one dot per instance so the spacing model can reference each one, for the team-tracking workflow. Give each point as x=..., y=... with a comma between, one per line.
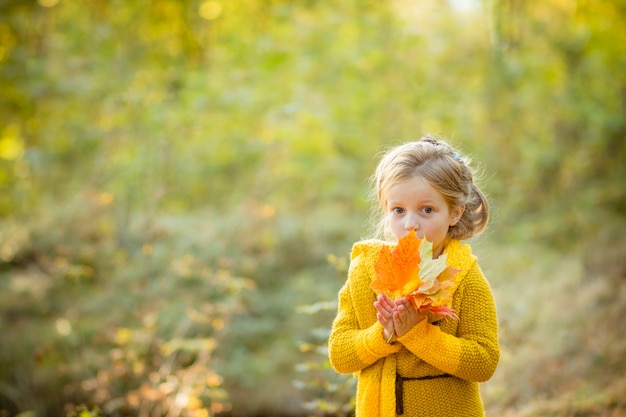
x=175, y=174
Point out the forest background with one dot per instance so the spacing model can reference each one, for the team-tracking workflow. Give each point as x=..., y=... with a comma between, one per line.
x=181, y=183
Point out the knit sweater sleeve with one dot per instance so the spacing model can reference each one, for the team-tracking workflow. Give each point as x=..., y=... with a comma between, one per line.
x=356, y=340
x=473, y=352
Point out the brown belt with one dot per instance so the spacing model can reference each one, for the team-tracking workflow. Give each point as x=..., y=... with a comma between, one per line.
x=399, y=392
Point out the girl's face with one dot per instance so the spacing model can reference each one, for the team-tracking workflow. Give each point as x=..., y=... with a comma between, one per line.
x=414, y=204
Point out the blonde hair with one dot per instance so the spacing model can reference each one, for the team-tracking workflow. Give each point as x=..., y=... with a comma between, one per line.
x=449, y=173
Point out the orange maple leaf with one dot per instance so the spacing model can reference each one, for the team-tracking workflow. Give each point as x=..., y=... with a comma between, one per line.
x=397, y=270
x=409, y=270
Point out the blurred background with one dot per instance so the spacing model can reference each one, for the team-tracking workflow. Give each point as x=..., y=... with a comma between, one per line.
x=181, y=183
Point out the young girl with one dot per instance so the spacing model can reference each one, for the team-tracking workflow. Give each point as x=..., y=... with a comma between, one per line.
x=409, y=364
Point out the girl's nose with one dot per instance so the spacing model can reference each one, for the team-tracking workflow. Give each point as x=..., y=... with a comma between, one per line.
x=411, y=224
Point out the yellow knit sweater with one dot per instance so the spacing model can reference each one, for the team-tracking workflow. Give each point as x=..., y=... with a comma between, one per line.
x=467, y=349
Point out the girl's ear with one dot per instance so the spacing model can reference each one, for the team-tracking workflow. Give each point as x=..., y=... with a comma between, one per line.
x=456, y=214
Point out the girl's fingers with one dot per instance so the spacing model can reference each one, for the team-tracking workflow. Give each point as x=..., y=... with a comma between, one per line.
x=397, y=318
x=404, y=302
x=384, y=311
x=381, y=319
x=386, y=301
x=403, y=314
x=385, y=305
x=407, y=307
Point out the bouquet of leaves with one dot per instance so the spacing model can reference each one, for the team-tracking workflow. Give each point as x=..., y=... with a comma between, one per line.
x=410, y=271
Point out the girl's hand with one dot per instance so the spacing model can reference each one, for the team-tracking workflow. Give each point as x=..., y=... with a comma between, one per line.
x=405, y=316
x=386, y=308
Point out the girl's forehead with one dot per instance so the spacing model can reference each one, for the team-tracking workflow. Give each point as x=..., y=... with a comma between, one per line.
x=409, y=181
x=416, y=186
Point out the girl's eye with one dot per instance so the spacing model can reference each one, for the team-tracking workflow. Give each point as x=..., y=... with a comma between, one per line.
x=428, y=210
x=398, y=210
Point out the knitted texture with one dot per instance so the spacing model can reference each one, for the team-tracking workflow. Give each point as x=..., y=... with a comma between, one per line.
x=466, y=348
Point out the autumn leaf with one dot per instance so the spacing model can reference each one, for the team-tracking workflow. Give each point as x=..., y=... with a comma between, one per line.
x=398, y=270
x=410, y=271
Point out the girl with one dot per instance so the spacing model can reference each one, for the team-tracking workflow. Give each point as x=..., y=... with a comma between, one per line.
x=409, y=364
